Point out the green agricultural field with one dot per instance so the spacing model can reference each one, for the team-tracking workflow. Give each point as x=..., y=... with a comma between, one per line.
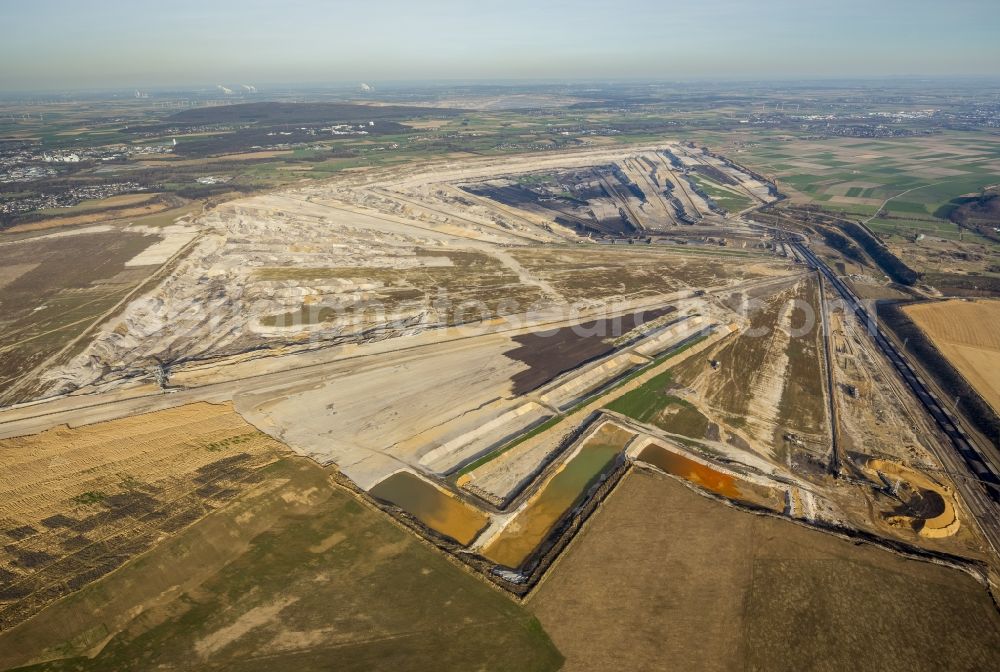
x=323, y=582
x=911, y=226
x=901, y=188
x=912, y=177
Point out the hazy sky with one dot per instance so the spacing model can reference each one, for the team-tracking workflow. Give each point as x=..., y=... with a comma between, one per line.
x=112, y=43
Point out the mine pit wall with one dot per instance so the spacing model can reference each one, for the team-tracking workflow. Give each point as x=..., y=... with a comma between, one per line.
x=520, y=492
x=496, y=445
x=508, y=419
x=501, y=504
x=521, y=504
x=570, y=390
x=572, y=438
x=752, y=173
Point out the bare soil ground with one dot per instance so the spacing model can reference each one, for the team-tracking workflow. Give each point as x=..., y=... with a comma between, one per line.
x=878, y=416
x=766, y=381
x=379, y=255
x=286, y=272
x=662, y=578
x=375, y=417
x=968, y=334
x=550, y=353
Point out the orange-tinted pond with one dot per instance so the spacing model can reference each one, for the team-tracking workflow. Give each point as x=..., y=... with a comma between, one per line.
x=689, y=470
x=533, y=523
x=431, y=505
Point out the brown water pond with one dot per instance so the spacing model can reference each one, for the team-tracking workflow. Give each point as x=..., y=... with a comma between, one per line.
x=432, y=506
x=690, y=470
x=561, y=493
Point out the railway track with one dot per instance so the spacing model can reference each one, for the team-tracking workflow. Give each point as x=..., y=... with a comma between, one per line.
x=982, y=491
x=834, y=464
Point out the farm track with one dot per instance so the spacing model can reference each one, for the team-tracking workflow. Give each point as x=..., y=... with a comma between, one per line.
x=902, y=193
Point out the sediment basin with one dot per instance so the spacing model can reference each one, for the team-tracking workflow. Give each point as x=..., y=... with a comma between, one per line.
x=690, y=470
x=560, y=494
x=731, y=487
x=442, y=512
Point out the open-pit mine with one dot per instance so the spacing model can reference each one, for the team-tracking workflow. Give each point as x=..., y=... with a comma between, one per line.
x=482, y=349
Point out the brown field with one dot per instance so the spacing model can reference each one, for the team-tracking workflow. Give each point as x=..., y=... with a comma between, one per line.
x=109, y=209
x=968, y=334
x=293, y=573
x=47, y=303
x=662, y=578
x=245, y=156
x=77, y=503
x=102, y=204
x=428, y=124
